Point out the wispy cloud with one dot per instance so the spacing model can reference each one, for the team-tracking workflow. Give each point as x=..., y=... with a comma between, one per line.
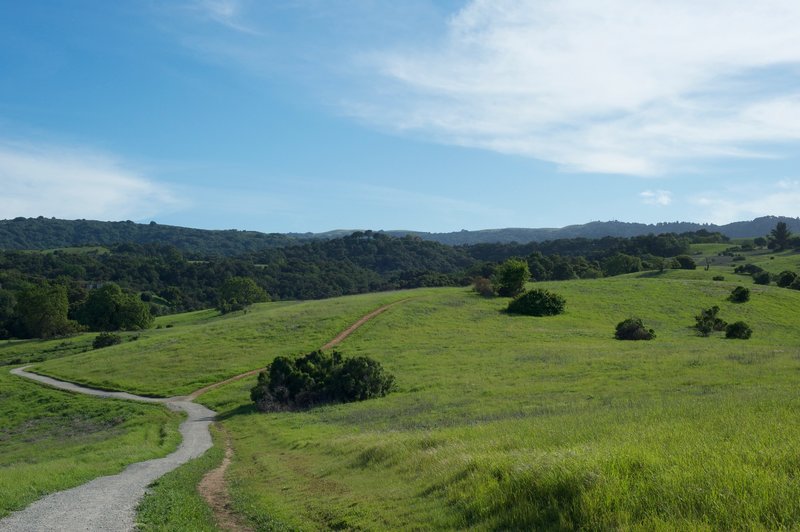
x=617, y=86
x=228, y=13
x=45, y=180
x=745, y=202
x=656, y=197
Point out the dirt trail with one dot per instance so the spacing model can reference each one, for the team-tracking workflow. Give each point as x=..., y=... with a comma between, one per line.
x=109, y=503
x=213, y=487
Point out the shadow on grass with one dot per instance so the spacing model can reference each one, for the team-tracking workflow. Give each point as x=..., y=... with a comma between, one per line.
x=241, y=410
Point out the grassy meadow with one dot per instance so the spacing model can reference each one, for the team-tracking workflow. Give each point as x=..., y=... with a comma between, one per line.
x=516, y=422
x=192, y=350
x=52, y=440
x=498, y=421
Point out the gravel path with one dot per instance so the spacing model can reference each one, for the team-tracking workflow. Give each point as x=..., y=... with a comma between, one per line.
x=109, y=503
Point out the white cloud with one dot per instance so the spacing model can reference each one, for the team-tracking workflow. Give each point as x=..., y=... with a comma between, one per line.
x=656, y=197
x=635, y=87
x=73, y=183
x=742, y=203
x=228, y=13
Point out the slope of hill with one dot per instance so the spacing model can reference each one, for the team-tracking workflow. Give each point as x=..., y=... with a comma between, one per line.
x=48, y=233
x=505, y=422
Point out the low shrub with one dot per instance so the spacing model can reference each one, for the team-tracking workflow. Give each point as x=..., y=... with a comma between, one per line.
x=537, y=302
x=633, y=329
x=748, y=269
x=105, y=340
x=708, y=322
x=785, y=278
x=718, y=278
x=738, y=330
x=740, y=294
x=483, y=286
x=319, y=378
x=685, y=262
x=795, y=284
x=762, y=278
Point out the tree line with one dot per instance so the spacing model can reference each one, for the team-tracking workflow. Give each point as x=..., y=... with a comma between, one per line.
x=163, y=279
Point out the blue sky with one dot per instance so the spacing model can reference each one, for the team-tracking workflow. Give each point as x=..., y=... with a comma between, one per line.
x=434, y=115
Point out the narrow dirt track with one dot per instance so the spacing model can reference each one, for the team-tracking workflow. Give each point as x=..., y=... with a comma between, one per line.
x=109, y=503
x=212, y=487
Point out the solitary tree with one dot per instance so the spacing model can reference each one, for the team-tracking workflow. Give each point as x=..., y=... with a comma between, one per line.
x=510, y=277
x=237, y=293
x=779, y=237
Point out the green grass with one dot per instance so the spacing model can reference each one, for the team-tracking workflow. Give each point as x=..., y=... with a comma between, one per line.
x=202, y=348
x=52, y=440
x=508, y=422
x=173, y=503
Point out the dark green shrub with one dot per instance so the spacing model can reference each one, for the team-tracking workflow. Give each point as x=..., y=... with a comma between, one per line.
x=740, y=294
x=686, y=262
x=106, y=340
x=762, y=278
x=739, y=330
x=483, y=286
x=537, y=302
x=785, y=279
x=748, y=269
x=319, y=378
x=708, y=322
x=633, y=329
x=795, y=284
x=718, y=278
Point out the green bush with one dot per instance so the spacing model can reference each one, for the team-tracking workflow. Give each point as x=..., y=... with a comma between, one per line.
x=740, y=294
x=785, y=278
x=795, y=284
x=633, y=329
x=708, y=322
x=718, y=278
x=537, y=302
x=510, y=277
x=762, y=278
x=686, y=262
x=319, y=378
x=106, y=340
x=739, y=330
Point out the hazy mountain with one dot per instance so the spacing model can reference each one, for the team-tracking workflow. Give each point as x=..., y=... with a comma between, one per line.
x=46, y=233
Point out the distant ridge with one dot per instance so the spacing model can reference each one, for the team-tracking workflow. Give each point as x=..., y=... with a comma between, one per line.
x=48, y=233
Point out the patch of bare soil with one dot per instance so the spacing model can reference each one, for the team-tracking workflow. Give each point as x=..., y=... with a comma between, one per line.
x=213, y=489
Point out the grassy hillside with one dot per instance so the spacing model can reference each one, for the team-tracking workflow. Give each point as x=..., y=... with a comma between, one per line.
x=52, y=440
x=199, y=348
x=502, y=421
x=514, y=422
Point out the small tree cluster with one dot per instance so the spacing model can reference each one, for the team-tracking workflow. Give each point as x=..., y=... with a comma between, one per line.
x=537, y=302
x=110, y=308
x=106, y=339
x=708, y=321
x=786, y=278
x=738, y=330
x=318, y=378
x=633, y=329
x=762, y=278
x=740, y=294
